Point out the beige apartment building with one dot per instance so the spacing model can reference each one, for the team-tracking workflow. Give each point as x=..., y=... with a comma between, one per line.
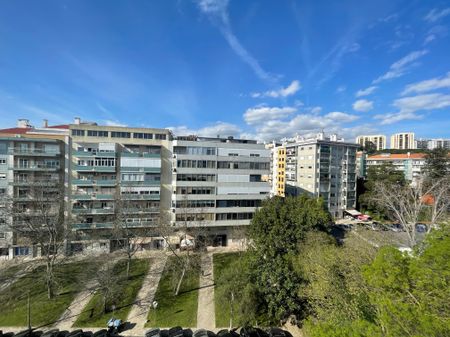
x=378, y=140
x=403, y=141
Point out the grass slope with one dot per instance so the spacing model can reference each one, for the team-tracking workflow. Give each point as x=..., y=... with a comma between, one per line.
x=176, y=310
x=93, y=316
x=13, y=300
x=222, y=306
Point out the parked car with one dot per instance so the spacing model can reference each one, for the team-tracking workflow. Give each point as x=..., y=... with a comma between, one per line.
x=51, y=333
x=396, y=227
x=100, y=333
x=153, y=333
x=253, y=332
x=277, y=332
x=421, y=228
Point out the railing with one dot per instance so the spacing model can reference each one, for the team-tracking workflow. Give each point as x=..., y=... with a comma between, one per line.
x=43, y=152
x=93, y=210
x=92, y=196
x=87, y=182
x=35, y=167
x=95, y=168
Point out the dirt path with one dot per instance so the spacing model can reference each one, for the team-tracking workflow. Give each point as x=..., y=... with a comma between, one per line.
x=206, y=315
x=140, y=309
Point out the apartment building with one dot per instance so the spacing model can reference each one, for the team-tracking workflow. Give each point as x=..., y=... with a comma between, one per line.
x=118, y=170
x=378, y=140
x=431, y=144
x=411, y=164
x=218, y=183
x=32, y=175
x=322, y=166
x=403, y=141
x=277, y=173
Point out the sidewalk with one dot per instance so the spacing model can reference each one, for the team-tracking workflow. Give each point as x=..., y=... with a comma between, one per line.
x=206, y=314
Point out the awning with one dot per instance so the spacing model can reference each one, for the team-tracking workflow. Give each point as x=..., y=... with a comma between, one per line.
x=353, y=212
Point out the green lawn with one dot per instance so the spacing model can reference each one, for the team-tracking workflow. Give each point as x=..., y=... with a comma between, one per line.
x=93, y=316
x=222, y=306
x=13, y=308
x=176, y=310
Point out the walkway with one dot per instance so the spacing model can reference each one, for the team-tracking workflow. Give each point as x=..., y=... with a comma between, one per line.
x=140, y=309
x=206, y=314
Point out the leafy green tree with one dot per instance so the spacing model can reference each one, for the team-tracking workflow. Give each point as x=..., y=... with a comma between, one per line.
x=437, y=163
x=370, y=147
x=410, y=293
x=275, y=233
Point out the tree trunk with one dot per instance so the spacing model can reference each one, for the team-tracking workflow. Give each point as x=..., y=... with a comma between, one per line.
x=183, y=272
x=49, y=280
x=128, y=267
x=104, y=303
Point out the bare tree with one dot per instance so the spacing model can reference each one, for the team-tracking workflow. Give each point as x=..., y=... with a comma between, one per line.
x=38, y=217
x=407, y=203
x=107, y=284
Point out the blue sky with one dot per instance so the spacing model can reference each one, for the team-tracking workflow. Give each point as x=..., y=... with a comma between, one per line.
x=257, y=69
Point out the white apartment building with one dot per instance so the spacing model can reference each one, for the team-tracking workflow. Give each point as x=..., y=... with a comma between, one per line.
x=323, y=166
x=218, y=183
x=411, y=164
x=431, y=144
x=403, y=141
x=378, y=140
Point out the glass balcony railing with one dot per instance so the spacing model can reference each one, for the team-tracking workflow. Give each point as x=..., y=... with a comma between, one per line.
x=33, y=152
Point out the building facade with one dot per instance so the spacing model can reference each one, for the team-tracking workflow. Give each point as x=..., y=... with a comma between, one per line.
x=411, y=164
x=217, y=184
x=403, y=141
x=322, y=166
x=431, y=144
x=378, y=140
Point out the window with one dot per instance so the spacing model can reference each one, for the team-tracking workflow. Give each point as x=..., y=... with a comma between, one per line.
x=79, y=133
x=140, y=135
x=117, y=134
x=2, y=176
x=2, y=235
x=254, y=154
x=96, y=133
x=2, y=161
x=160, y=136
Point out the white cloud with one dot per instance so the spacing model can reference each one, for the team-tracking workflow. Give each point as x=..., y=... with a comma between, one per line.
x=428, y=85
x=400, y=67
x=391, y=118
x=260, y=114
x=291, y=89
x=366, y=92
x=217, y=12
x=316, y=110
x=363, y=105
x=341, y=89
x=109, y=122
x=219, y=128
x=429, y=38
x=435, y=14
x=422, y=102
x=341, y=116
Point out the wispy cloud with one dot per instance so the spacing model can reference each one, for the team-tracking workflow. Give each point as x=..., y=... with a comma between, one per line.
x=436, y=14
x=217, y=12
x=428, y=85
x=391, y=118
x=217, y=129
x=291, y=89
x=366, y=92
x=401, y=67
x=108, y=122
x=340, y=89
x=363, y=105
x=260, y=114
x=422, y=102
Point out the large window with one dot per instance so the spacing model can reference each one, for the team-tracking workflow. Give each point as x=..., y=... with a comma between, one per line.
x=194, y=203
x=79, y=133
x=196, y=177
x=117, y=134
x=195, y=190
x=234, y=216
x=195, y=150
x=240, y=165
x=196, y=163
x=238, y=203
x=195, y=217
x=97, y=133
x=141, y=135
x=160, y=136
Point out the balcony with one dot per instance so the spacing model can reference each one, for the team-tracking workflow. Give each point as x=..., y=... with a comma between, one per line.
x=91, y=182
x=140, y=155
x=92, y=196
x=141, y=196
x=82, y=168
x=93, y=210
x=31, y=182
x=33, y=152
x=140, y=183
x=84, y=154
x=36, y=167
x=140, y=169
x=92, y=225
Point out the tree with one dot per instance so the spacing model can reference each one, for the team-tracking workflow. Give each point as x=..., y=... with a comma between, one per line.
x=107, y=284
x=411, y=292
x=275, y=232
x=385, y=173
x=369, y=147
x=437, y=163
x=40, y=220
